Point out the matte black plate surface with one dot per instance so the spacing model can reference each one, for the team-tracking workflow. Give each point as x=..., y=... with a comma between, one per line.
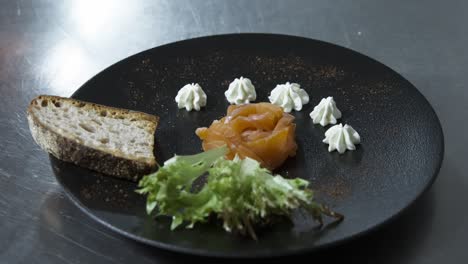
x=400, y=154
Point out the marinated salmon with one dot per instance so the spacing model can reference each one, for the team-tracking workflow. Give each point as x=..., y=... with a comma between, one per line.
x=261, y=131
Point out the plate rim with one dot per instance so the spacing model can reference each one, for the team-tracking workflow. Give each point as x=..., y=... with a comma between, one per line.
x=262, y=254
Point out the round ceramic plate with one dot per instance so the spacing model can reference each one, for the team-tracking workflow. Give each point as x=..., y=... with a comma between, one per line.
x=400, y=155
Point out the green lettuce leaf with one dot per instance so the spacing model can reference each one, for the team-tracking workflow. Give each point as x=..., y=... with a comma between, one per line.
x=239, y=192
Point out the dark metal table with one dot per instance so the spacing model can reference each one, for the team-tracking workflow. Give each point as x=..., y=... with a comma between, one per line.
x=54, y=46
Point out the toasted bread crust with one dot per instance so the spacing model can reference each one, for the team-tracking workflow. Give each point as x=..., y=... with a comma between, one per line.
x=72, y=150
x=118, y=111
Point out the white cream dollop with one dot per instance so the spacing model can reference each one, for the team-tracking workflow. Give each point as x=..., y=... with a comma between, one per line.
x=191, y=96
x=241, y=91
x=289, y=96
x=341, y=138
x=325, y=112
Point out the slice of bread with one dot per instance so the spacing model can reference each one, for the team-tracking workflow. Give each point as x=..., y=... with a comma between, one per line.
x=109, y=140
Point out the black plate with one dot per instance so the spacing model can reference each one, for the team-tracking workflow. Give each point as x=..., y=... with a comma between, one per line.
x=400, y=155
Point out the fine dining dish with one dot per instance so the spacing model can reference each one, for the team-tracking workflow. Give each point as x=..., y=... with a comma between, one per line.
x=357, y=183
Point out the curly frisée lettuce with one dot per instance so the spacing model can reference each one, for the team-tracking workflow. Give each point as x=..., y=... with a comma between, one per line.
x=238, y=191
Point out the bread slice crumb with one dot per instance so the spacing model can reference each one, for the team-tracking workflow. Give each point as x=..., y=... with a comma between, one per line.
x=110, y=140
